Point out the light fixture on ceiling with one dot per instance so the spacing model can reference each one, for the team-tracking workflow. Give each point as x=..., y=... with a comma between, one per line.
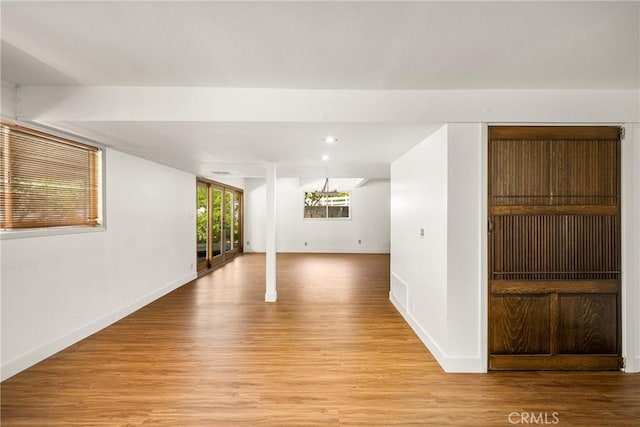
x=325, y=191
x=325, y=157
x=221, y=172
x=330, y=139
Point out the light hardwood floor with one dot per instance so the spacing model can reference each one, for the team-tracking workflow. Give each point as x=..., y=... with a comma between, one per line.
x=332, y=351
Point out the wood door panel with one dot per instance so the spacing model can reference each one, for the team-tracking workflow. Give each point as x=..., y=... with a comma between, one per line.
x=566, y=247
x=553, y=210
x=520, y=324
x=554, y=247
x=529, y=287
x=584, y=172
x=547, y=133
x=588, y=324
x=520, y=172
x=554, y=363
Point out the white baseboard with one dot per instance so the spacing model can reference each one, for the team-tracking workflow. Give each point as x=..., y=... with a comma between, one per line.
x=635, y=368
x=447, y=363
x=317, y=251
x=433, y=347
x=39, y=354
x=470, y=365
x=341, y=251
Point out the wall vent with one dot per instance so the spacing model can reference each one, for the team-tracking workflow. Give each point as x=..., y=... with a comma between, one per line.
x=399, y=290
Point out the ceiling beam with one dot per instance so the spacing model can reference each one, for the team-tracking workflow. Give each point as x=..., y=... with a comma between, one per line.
x=362, y=182
x=184, y=104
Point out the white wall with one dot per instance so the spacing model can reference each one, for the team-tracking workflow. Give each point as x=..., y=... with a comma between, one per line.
x=369, y=221
x=255, y=224
x=419, y=264
x=636, y=248
x=630, y=216
x=57, y=290
x=464, y=230
x=437, y=186
x=8, y=97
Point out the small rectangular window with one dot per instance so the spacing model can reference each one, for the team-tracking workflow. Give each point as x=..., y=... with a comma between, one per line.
x=47, y=181
x=327, y=205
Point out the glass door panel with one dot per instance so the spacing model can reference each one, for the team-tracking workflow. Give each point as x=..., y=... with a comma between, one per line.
x=216, y=222
x=236, y=220
x=202, y=225
x=228, y=224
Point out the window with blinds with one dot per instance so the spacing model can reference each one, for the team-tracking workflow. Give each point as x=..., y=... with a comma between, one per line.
x=46, y=181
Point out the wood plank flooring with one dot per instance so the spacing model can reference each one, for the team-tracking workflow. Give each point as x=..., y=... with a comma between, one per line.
x=331, y=352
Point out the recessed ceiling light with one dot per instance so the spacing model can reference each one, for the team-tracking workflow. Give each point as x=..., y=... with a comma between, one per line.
x=325, y=157
x=330, y=139
x=221, y=172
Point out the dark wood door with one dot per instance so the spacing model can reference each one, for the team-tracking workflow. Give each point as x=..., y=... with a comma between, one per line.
x=554, y=248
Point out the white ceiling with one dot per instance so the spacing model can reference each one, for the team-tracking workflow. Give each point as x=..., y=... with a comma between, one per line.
x=310, y=45
x=363, y=149
x=334, y=45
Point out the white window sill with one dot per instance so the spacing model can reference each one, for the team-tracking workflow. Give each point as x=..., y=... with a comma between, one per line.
x=52, y=231
x=327, y=219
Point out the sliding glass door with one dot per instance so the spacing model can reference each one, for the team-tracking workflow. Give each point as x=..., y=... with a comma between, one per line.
x=219, y=225
x=202, y=216
x=228, y=223
x=233, y=222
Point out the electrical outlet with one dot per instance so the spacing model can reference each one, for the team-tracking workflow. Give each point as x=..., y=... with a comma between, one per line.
x=248, y=243
x=422, y=233
x=305, y=243
x=359, y=241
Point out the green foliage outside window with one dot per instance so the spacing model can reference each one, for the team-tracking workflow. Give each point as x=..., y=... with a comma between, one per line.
x=202, y=213
x=322, y=205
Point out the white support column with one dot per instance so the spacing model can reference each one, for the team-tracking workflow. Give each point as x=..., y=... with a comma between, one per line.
x=271, y=294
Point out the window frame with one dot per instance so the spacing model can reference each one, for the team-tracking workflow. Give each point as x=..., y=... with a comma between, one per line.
x=327, y=218
x=58, y=136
